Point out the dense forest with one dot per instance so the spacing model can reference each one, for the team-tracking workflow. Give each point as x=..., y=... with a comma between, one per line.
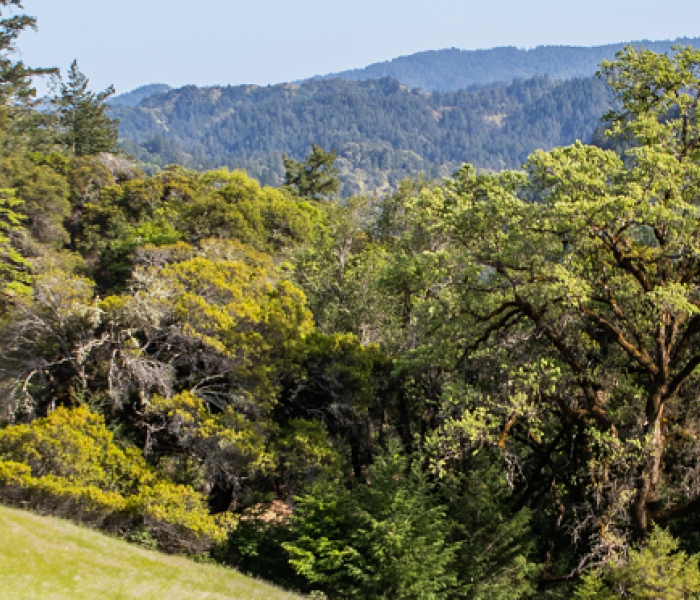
x=480, y=387
x=383, y=131
x=453, y=69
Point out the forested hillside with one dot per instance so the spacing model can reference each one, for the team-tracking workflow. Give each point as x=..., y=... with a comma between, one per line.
x=382, y=130
x=134, y=97
x=453, y=69
x=484, y=387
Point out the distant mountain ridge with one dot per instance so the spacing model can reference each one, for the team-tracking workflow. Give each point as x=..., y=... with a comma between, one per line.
x=493, y=111
x=135, y=97
x=453, y=69
x=383, y=131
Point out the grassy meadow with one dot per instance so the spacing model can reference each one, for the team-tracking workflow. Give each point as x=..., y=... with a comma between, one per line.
x=51, y=559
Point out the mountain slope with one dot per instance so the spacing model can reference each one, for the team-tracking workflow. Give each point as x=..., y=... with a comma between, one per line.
x=454, y=69
x=42, y=557
x=134, y=97
x=382, y=130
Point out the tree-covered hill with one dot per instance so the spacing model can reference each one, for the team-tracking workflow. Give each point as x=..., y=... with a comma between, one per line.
x=383, y=131
x=454, y=69
x=134, y=97
x=479, y=387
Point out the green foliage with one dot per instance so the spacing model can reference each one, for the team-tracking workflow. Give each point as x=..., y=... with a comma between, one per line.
x=304, y=453
x=316, y=177
x=225, y=442
x=418, y=395
x=563, y=306
x=86, y=129
x=235, y=206
x=69, y=464
x=383, y=131
x=44, y=194
x=338, y=370
x=662, y=114
x=497, y=545
x=236, y=308
x=337, y=380
x=194, y=349
x=654, y=572
x=14, y=267
x=255, y=547
x=117, y=219
x=22, y=126
x=150, y=234
x=387, y=539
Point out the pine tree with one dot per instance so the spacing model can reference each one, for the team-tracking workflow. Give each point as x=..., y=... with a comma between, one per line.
x=19, y=122
x=86, y=129
x=316, y=177
x=15, y=76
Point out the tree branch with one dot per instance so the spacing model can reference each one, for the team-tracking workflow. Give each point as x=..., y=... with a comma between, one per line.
x=640, y=357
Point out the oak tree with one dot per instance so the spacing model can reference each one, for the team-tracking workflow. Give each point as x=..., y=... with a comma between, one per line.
x=567, y=306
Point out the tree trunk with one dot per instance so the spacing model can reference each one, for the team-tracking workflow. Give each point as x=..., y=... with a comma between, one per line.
x=650, y=475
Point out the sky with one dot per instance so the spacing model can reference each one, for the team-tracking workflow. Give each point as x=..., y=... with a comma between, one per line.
x=129, y=43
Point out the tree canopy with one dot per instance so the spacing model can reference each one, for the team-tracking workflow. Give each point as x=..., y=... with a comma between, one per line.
x=478, y=387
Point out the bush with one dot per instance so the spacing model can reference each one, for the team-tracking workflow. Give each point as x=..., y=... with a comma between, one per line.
x=255, y=548
x=69, y=465
x=657, y=570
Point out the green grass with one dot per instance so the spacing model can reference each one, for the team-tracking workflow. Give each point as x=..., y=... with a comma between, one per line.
x=51, y=559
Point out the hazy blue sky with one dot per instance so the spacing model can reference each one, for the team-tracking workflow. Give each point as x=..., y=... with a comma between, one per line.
x=134, y=42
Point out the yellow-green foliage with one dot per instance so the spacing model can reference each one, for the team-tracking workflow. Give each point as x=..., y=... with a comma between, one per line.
x=234, y=206
x=13, y=266
x=44, y=193
x=219, y=204
x=69, y=463
x=654, y=572
x=214, y=249
x=86, y=502
x=239, y=309
x=75, y=445
x=226, y=440
x=303, y=450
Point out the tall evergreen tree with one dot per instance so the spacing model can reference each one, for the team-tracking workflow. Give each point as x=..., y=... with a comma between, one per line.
x=316, y=177
x=18, y=120
x=15, y=75
x=86, y=129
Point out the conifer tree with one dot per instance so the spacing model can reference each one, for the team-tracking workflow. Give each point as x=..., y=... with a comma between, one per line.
x=86, y=129
x=18, y=120
x=316, y=177
x=15, y=75
x=390, y=539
